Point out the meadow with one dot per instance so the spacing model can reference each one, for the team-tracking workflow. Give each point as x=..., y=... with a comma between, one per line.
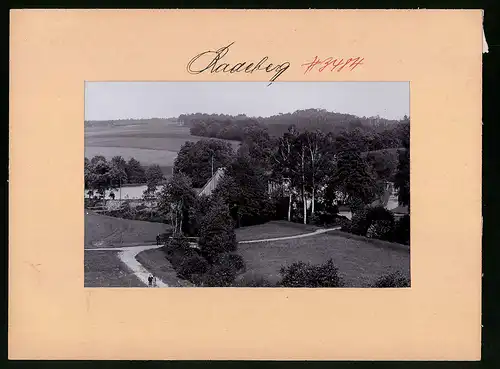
x=360, y=260
x=149, y=141
x=105, y=231
x=104, y=269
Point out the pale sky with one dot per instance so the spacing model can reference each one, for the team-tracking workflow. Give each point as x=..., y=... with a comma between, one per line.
x=124, y=100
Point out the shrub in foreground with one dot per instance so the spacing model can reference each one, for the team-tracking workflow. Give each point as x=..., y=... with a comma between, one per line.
x=374, y=222
x=345, y=224
x=323, y=218
x=177, y=251
x=194, y=264
x=302, y=274
x=359, y=224
x=222, y=272
x=380, y=223
x=402, y=230
x=230, y=260
x=216, y=276
x=381, y=230
x=392, y=280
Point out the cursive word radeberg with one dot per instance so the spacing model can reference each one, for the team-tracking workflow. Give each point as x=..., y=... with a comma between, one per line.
x=210, y=61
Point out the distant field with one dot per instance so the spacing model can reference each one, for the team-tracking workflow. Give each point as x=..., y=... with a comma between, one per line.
x=105, y=231
x=104, y=269
x=150, y=142
x=360, y=261
x=163, y=158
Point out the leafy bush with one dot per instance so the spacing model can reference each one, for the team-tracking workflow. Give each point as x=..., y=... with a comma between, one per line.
x=128, y=212
x=379, y=213
x=149, y=216
x=221, y=273
x=122, y=213
x=392, y=280
x=91, y=202
x=302, y=274
x=217, y=231
x=381, y=229
x=230, y=260
x=176, y=244
x=345, y=224
x=141, y=207
x=359, y=224
x=375, y=222
x=196, y=214
x=402, y=230
x=325, y=218
x=177, y=250
x=194, y=264
x=217, y=276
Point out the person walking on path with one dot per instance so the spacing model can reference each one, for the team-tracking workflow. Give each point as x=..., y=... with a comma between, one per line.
x=154, y=282
x=150, y=280
x=158, y=240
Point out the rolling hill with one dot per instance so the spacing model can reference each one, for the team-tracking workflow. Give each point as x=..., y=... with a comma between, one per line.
x=151, y=141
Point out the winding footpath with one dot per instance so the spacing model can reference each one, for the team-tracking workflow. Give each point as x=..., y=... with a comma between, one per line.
x=128, y=254
x=316, y=232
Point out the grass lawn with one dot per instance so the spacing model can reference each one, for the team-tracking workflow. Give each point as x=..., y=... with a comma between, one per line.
x=105, y=231
x=273, y=229
x=156, y=262
x=359, y=260
x=104, y=269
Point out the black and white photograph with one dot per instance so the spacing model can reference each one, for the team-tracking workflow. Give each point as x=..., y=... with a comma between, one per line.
x=247, y=184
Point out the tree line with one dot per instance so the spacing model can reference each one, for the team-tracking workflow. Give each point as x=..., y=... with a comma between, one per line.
x=101, y=175
x=299, y=176
x=375, y=133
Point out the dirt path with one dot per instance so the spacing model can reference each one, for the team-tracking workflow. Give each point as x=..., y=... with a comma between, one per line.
x=318, y=231
x=127, y=254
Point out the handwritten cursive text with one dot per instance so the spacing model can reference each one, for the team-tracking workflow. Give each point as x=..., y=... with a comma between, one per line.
x=210, y=61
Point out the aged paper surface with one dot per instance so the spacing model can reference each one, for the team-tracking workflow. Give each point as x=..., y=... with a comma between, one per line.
x=51, y=315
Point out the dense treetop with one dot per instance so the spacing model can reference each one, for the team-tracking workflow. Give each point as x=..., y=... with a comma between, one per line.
x=377, y=133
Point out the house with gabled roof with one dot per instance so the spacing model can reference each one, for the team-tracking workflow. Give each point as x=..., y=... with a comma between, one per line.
x=212, y=183
x=389, y=199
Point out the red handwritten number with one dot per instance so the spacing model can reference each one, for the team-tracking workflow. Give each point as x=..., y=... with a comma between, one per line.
x=326, y=63
x=357, y=62
x=311, y=65
x=338, y=64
